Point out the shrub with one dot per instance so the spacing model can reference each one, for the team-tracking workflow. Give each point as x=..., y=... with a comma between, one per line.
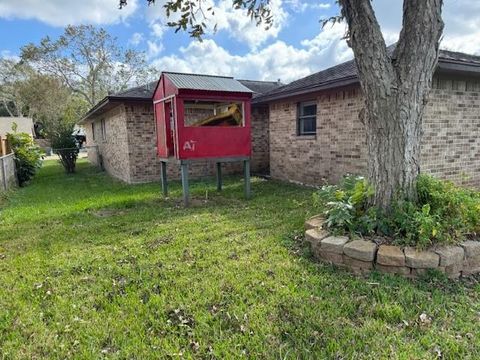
x=27, y=156
x=65, y=145
x=444, y=213
x=345, y=205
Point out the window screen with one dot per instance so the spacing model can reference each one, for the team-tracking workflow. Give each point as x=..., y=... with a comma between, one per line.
x=307, y=118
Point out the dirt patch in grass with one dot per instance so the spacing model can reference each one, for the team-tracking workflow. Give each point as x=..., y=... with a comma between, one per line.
x=106, y=213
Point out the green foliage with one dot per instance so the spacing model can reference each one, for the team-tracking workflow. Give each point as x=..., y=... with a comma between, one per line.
x=444, y=213
x=191, y=15
x=345, y=205
x=28, y=156
x=93, y=268
x=92, y=52
x=64, y=144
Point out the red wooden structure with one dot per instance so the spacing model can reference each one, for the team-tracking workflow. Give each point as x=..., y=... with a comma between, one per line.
x=201, y=117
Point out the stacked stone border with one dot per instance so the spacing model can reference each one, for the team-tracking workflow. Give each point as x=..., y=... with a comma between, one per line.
x=363, y=256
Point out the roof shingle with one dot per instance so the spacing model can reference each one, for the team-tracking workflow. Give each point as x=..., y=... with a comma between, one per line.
x=144, y=91
x=260, y=87
x=346, y=73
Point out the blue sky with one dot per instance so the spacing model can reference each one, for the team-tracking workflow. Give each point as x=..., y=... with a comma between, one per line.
x=296, y=45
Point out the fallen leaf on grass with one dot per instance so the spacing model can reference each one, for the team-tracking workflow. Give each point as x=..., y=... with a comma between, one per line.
x=425, y=319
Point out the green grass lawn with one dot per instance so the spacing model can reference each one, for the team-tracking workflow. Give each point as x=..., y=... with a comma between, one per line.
x=92, y=268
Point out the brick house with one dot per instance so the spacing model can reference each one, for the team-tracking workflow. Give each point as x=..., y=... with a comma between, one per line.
x=307, y=131
x=121, y=136
x=316, y=134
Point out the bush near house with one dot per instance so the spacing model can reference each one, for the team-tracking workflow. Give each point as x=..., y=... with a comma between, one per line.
x=444, y=213
x=65, y=146
x=28, y=156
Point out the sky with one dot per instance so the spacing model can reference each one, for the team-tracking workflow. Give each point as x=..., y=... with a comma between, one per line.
x=295, y=46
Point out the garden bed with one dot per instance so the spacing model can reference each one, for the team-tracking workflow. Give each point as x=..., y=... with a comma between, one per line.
x=364, y=255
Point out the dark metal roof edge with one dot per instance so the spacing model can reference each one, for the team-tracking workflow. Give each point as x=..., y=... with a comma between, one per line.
x=305, y=90
x=460, y=66
x=196, y=74
x=185, y=91
x=93, y=110
x=260, y=81
x=102, y=103
x=130, y=98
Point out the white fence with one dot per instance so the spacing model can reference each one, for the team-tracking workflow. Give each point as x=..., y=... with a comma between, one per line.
x=8, y=177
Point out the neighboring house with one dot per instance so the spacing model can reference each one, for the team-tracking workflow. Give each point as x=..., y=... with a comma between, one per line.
x=316, y=134
x=308, y=131
x=23, y=124
x=121, y=136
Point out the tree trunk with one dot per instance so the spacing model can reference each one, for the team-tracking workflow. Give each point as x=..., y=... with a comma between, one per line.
x=393, y=143
x=396, y=84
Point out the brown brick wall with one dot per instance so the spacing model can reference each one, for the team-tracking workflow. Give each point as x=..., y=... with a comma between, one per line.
x=450, y=147
x=129, y=151
x=451, y=136
x=144, y=165
x=113, y=150
x=260, y=140
x=337, y=148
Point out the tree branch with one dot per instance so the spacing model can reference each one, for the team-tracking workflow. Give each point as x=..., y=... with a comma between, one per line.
x=368, y=45
x=425, y=18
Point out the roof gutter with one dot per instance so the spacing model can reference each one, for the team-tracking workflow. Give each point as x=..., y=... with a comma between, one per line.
x=105, y=101
x=458, y=66
x=350, y=80
x=93, y=110
x=443, y=64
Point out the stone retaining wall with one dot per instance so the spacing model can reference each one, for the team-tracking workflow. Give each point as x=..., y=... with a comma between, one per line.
x=363, y=256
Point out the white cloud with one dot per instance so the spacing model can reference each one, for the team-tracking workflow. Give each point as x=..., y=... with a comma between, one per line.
x=461, y=17
x=302, y=6
x=236, y=23
x=462, y=26
x=154, y=49
x=136, y=39
x=158, y=30
x=7, y=54
x=240, y=27
x=275, y=61
x=62, y=12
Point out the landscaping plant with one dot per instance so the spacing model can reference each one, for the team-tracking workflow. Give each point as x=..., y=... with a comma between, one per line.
x=27, y=156
x=443, y=214
x=59, y=130
x=66, y=147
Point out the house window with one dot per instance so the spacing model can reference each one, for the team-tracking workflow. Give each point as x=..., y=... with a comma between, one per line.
x=104, y=130
x=307, y=118
x=93, y=131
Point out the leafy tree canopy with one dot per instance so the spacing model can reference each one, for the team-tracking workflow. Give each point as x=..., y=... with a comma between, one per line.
x=89, y=61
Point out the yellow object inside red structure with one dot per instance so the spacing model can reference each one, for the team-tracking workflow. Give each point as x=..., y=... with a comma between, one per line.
x=231, y=117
